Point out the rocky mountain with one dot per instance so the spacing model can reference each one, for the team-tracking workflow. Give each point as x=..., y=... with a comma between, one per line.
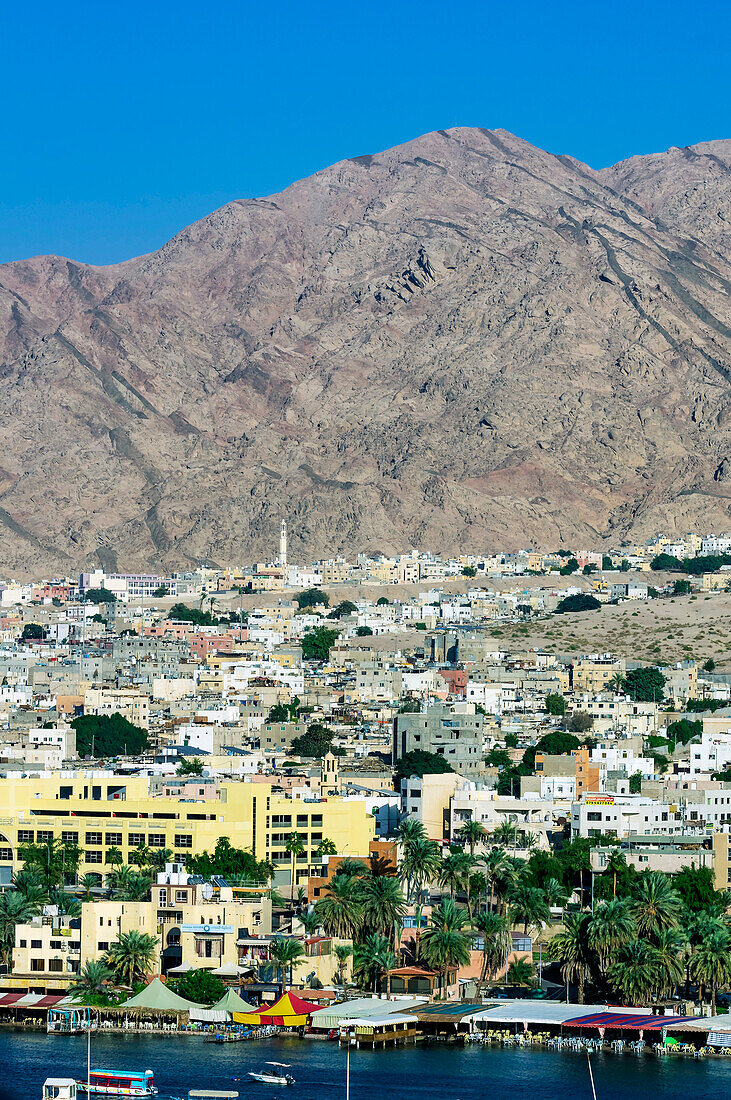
x=463, y=342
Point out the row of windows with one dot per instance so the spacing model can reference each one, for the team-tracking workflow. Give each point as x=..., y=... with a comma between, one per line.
x=136, y=840
x=284, y=821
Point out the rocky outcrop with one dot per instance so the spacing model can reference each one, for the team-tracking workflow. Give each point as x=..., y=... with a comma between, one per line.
x=461, y=342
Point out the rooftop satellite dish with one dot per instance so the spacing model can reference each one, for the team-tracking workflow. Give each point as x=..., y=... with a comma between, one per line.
x=207, y=891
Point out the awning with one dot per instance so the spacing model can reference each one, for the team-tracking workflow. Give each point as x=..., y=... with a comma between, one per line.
x=288, y=1011
x=627, y=1021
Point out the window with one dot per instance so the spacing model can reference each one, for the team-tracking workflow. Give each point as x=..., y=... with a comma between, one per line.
x=185, y=840
x=56, y=965
x=24, y=943
x=93, y=838
x=37, y=964
x=94, y=857
x=114, y=838
x=103, y=945
x=36, y=945
x=70, y=838
x=136, y=839
x=181, y=895
x=156, y=840
x=25, y=836
x=593, y=816
x=6, y=853
x=302, y=821
x=44, y=835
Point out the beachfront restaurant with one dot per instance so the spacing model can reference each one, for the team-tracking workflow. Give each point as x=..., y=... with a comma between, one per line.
x=328, y=1020
x=553, y=1018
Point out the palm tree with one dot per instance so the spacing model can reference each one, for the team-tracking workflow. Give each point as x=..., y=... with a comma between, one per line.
x=372, y=958
x=141, y=856
x=616, y=862
x=610, y=929
x=445, y=943
x=309, y=921
x=68, y=905
x=570, y=948
x=383, y=905
x=476, y=890
x=455, y=872
x=497, y=943
x=113, y=857
x=505, y=880
x=88, y=884
x=159, y=857
x=138, y=888
x=555, y=893
x=420, y=864
x=326, y=847
x=496, y=865
x=710, y=965
x=506, y=834
x=635, y=974
x=520, y=972
x=296, y=847
x=472, y=833
x=30, y=884
x=53, y=860
x=669, y=953
x=118, y=882
x=132, y=956
x=528, y=906
x=343, y=951
x=93, y=977
x=616, y=684
x=15, y=908
x=286, y=953
x=352, y=868
x=411, y=829
x=339, y=910
x=656, y=905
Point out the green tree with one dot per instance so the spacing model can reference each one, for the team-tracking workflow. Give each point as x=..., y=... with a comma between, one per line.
x=233, y=864
x=469, y=571
x=317, y=643
x=113, y=856
x=99, y=595
x=343, y=951
x=93, y=979
x=645, y=685
x=421, y=863
x=555, y=704
x=312, y=597
x=200, y=986
x=682, y=588
x=581, y=601
x=373, y=958
x=709, y=665
x=296, y=847
x=580, y=722
x=511, y=740
x=635, y=974
x=287, y=954
x=410, y=706
x=521, y=972
x=528, y=906
x=455, y=872
x=190, y=765
x=105, y=735
x=419, y=762
x=498, y=758
x=383, y=905
x=445, y=943
x=570, y=567
x=635, y=783
x=669, y=953
x=555, y=743
x=160, y=591
x=472, y=833
x=14, y=909
x=344, y=608
x=132, y=956
x=52, y=860
x=326, y=847
x=381, y=602
x=317, y=741
x=363, y=632
x=710, y=964
x=607, y=562
x=33, y=632
x=611, y=928
x=339, y=910
x=181, y=613
x=496, y=944
x=684, y=730
x=656, y=905
x=570, y=948
x=665, y=563
x=696, y=888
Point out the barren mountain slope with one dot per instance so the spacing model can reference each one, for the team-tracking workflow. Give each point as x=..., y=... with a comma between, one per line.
x=461, y=342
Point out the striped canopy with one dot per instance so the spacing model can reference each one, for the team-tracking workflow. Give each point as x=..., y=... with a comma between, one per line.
x=288, y=1011
x=626, y=1021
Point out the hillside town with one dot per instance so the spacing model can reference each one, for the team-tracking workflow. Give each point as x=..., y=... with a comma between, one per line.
x=333, y=781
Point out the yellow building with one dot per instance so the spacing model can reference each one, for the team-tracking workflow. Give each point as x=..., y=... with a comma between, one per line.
x=593, y=676
x=99, y=812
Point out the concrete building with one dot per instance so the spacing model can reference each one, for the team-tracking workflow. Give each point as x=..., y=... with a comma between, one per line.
x=455, y=734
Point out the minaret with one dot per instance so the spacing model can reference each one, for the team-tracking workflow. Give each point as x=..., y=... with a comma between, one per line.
x=283, y=549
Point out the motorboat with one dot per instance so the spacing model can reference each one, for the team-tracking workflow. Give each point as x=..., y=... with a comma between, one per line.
x=274, y=1076
x=128, y=1083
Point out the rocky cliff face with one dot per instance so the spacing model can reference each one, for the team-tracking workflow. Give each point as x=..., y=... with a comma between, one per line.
x=461, y=342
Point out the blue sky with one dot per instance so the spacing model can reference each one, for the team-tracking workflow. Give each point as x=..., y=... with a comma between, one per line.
x=124, y=122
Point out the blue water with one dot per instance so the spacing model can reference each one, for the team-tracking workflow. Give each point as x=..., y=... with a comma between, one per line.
x=426, y=1072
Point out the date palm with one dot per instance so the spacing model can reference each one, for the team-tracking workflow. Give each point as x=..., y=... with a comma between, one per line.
x=570, y=948
x=616, y=862
x=710, y=965
x=15, y=908
x=88, y=884
x=472, y=833
x=670, y=947
x=373, y=958
x=383, y=905
x=343, y=951
x=296, y=847
x=93, y=977
x=339, y=910
x=455, y=872
x=656, y=906
x=159, y=857
x=497, y=943
x=113, y=857
x=132, y=956
x=555, y=893
x=496, y=864
x=286, y=953
x=411, y=829
x=141, y=856
x=610, y=929
x=635, y=974
x=528, y=906
x=445, y=943
x=326, y=847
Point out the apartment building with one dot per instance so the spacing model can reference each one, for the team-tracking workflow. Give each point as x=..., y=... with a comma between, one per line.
x=457, y=735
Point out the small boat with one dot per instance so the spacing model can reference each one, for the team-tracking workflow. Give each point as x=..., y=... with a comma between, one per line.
x=59, y=1088
x=119, y=1083
x=275, y=1076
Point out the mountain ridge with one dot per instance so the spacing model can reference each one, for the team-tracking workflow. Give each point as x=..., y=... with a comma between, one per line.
x=461, y=340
